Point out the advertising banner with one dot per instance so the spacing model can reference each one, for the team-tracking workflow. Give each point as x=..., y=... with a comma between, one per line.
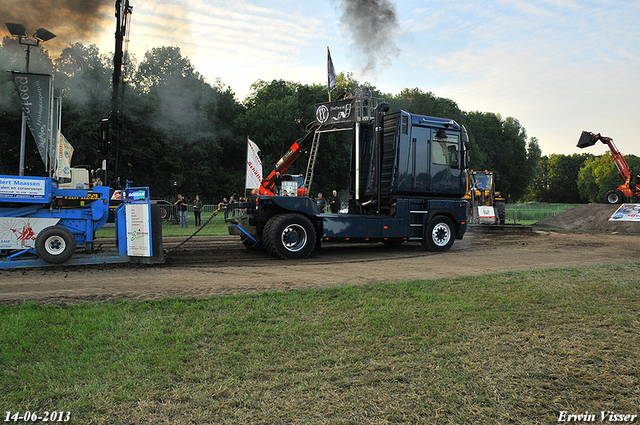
x=65, y=152
x=35, y=91
x=627, y=212
x=138, y=230
x=254, y=166
x=21, y=232
x=24, y=189
x=340, y=114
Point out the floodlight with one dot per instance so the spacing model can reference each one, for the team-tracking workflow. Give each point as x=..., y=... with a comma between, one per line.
x=43, y=34
x=16, y=30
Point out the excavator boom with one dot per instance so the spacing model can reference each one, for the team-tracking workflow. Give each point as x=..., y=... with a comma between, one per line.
x=588, y=139
x=298, y=148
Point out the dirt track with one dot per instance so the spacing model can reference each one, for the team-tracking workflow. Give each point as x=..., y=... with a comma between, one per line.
x=221, y=265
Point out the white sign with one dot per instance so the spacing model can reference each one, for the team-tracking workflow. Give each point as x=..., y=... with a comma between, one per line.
x=22, y=188
x=138, y=230
x=627, y=212
x=486, y=215
x=21, y=232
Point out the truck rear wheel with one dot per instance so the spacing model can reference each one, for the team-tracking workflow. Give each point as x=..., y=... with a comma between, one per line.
x=439, y=234
x=55, y=244
x=289, y=236
x=614, y=197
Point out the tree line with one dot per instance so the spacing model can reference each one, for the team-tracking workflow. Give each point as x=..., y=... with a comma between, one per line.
x=183, y=134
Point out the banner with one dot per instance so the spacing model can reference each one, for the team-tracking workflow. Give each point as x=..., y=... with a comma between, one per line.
x=335, y=115
x=627, y=212
x=331, y=72
x=254, y=166
x=35, y=91
x=65, y=151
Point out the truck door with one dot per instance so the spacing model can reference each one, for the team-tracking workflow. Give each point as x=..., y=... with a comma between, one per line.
x=420, y=158
x=446, y=173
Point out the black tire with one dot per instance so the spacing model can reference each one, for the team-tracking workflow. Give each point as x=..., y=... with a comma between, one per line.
x=439, y=234
x=289, y=236
x=614, y=197
x=55, y=244
x=165, y=213
x=501, y=211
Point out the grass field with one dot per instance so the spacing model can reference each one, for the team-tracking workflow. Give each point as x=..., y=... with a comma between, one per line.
x=531, y=212
x=216, y=226
x=513, y=348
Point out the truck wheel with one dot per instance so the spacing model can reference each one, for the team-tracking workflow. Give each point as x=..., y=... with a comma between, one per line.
x=614, y=197
x=501, y=211
x=439, y=234
x=55, y=244
x=289, y=236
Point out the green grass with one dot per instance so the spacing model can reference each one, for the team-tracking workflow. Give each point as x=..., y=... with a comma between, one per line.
x=532, y=212
x=513, y=348
x=215, y=227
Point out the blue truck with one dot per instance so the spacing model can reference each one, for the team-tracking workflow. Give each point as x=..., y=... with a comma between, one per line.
x=407, y=182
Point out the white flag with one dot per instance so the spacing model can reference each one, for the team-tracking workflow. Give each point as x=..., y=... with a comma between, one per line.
x=254, y=166
x=65, y=151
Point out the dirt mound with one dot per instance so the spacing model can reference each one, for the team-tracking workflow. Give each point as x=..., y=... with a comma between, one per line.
x=590, y=217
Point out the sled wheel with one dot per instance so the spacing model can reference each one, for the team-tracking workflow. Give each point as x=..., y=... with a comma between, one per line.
x=55, y=244
x=289, y=236
x=439, y=234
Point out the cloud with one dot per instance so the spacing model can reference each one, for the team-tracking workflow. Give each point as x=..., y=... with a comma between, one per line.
x=557, y=66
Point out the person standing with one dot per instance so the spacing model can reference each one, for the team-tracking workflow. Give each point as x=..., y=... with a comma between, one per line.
x=321, y=202
x=181, y=206
x=197, y=210
x=336, y=203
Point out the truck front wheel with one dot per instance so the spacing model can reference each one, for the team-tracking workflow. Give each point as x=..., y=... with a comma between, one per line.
x=55, y=244
x=439, y=235
x=289, y=236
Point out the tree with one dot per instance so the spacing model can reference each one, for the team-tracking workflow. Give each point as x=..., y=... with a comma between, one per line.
x=277, y=114
x=599, y=175
x=418, y=102
x=501, y=145
x=557, y=179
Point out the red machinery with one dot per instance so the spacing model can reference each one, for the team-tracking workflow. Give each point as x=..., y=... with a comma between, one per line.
x=625, y=191
x=300, y=146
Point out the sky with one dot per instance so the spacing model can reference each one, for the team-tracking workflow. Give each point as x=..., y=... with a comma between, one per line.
x=558, y=66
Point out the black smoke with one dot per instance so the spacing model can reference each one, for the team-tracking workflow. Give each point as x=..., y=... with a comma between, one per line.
x=71, y=21
x=373, y=25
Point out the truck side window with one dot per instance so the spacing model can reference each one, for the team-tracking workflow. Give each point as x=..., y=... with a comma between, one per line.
x=445, y=153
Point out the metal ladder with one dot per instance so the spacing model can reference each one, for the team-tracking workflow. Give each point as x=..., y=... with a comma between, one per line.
x=311, y=165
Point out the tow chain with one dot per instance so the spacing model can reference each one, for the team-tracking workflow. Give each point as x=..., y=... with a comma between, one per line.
x=215, y=213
